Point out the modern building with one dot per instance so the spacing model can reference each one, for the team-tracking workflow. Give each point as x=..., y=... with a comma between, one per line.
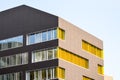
x=35, y=45
x=108, y=77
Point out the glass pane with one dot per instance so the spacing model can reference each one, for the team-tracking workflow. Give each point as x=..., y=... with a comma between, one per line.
x=8, y=61
x=4, y=46
x=43, y=55
x=24, y=58
x=32, y=75
x=18, y=59
x=55, y=53
x=44, y=36
x=31, y=39
x=4, y=61
x=50, y=54
x=54, y=34
x=11, y=43
x=38, y=56
x=50, y=35
x=38, y=38
x=40, y=75
x=43, y=74
x=14, y=60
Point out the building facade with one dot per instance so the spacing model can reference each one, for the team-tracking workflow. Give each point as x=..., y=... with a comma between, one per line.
x=35, y=45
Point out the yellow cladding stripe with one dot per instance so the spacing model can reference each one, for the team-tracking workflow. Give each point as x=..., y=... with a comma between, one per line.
x=100, y=69
x=71, y=57
x=60, y=33
x=86, y=78
x=92, y=49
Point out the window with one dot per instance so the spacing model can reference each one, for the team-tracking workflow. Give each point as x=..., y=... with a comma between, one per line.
x=42, y=36
x=11, y=76
x=50, y=54
x=31, y=39
x=71, y=57
x=46, y=74
x=92, y=49
x=11, y=43
x=45, y=54
x=100, y=69
x=61, y=34
x=86, y=78
x=50, y=36
x=13, y=60
x=38, y=38
x=53, y=53
x=60, y=73
x=54, y=34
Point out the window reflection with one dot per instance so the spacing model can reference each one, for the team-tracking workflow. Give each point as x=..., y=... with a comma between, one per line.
x=10, y=76
x=41, y=36
x=11, y=43
x=41, y=55
x=13, y=60
x=46, y=74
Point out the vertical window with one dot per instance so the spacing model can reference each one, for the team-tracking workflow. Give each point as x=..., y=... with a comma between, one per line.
x=50, y=54
x=54, y=34
x=44, y=36
x=100, y=69
x=31, y=39
x=38, y=38
x=43, y=55
x=50, y=36
x=60, y=73
x=61, y=34
x=24, y=58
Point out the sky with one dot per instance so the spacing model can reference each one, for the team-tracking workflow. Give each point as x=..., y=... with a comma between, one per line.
x=98, y=17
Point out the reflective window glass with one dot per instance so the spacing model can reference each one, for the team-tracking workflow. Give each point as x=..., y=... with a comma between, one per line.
x=10, y=76
x=11, y=43
x=41, y=36
x=50, y=54
x=44, y=36
x=38, y=37
x=31, y=39
x=13, y=60
x=46, y=54
x=50, y=35
x=54, y=34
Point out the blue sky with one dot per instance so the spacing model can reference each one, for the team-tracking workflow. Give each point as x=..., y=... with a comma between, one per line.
x=98, y=17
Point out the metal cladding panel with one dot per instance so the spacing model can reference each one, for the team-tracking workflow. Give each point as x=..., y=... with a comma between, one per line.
x=23, y=19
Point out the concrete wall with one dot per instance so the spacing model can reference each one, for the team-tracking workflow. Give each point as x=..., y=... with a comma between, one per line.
x=73, y=43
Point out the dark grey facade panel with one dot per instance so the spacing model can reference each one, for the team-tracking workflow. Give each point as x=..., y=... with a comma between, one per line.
x=30, y=66
x=30, y=48
x=23, y=19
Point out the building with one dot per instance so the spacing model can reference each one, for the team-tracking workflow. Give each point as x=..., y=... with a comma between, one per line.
x=108, y=77
x=35, y=45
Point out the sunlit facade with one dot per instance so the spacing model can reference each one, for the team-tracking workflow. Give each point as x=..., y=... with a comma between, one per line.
x=41, y=46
